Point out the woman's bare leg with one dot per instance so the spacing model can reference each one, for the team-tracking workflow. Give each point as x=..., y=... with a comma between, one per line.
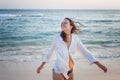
x=71, y=77
x=57, y=76
x=61, y=77
x=71, y=65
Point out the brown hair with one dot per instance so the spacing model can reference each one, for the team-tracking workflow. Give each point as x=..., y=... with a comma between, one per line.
x=73, y=30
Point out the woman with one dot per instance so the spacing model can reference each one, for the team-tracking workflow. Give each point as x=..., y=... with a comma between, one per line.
x=65, y=46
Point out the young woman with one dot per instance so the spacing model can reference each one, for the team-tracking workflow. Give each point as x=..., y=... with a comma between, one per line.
x=65, y=45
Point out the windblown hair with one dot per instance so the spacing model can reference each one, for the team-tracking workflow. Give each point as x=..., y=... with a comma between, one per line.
x=74, y=30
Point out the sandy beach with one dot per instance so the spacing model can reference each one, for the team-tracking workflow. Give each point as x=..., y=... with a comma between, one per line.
x=10, y=70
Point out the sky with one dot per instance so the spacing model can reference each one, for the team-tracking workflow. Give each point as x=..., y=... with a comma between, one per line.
x=59, y=4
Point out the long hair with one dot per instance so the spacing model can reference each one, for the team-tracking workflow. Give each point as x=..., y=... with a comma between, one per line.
x=74, y=29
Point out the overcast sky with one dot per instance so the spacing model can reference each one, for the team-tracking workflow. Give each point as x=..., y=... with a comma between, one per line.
x=59, y=4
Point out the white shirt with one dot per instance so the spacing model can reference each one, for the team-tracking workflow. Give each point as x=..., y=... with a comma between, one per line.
x=62, y=53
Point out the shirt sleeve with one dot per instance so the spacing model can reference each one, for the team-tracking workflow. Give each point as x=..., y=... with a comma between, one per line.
x=51, y=51
x=85, y=51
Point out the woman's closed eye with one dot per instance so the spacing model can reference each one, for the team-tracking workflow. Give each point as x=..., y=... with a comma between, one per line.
x=64, y=23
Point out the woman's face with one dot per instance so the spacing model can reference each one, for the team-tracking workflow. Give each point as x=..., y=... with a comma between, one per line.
x=66, y=27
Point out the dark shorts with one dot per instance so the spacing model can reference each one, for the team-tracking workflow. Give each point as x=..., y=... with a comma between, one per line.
x=69, y=72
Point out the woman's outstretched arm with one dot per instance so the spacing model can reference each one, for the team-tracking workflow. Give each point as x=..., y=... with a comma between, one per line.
x=89, y=56
x=48, y=56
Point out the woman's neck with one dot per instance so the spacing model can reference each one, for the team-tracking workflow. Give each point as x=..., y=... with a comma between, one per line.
x=68, y=36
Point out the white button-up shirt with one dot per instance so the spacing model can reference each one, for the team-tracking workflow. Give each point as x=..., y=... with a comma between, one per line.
x=62, y=53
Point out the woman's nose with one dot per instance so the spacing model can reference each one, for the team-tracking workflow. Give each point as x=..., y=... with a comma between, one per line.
x=62, y=25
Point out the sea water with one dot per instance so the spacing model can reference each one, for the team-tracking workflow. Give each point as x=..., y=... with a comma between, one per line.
x=26, y=35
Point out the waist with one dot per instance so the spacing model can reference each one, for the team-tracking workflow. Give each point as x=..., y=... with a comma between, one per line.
x=71, y=63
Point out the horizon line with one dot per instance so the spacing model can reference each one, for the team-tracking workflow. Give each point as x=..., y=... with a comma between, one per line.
x=60, y=9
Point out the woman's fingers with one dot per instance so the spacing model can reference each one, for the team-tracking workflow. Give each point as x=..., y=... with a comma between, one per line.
x=38, y=70
x=104, y=68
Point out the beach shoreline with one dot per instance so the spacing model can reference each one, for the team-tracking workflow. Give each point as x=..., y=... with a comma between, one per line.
x=10, y=70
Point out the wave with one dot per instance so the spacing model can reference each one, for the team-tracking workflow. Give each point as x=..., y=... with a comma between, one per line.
x=18, y=58
x=111, y=45
x=108, y=56
x=7, y=15
x=33, y=58
x=33, y=36
x=27, y=40
x=100, y=21
x=21, y=15
x=31, y=15
x=99, y=42
x=105, y=43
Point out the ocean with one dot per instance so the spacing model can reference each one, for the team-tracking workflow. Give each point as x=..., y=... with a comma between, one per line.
x=26, y=34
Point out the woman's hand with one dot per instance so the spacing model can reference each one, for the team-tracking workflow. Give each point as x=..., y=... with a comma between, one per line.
x=41, y=66
x=104, y=68
x=39, y=69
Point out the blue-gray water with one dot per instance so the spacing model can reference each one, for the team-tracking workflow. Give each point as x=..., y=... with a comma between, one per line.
x=25, y=35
